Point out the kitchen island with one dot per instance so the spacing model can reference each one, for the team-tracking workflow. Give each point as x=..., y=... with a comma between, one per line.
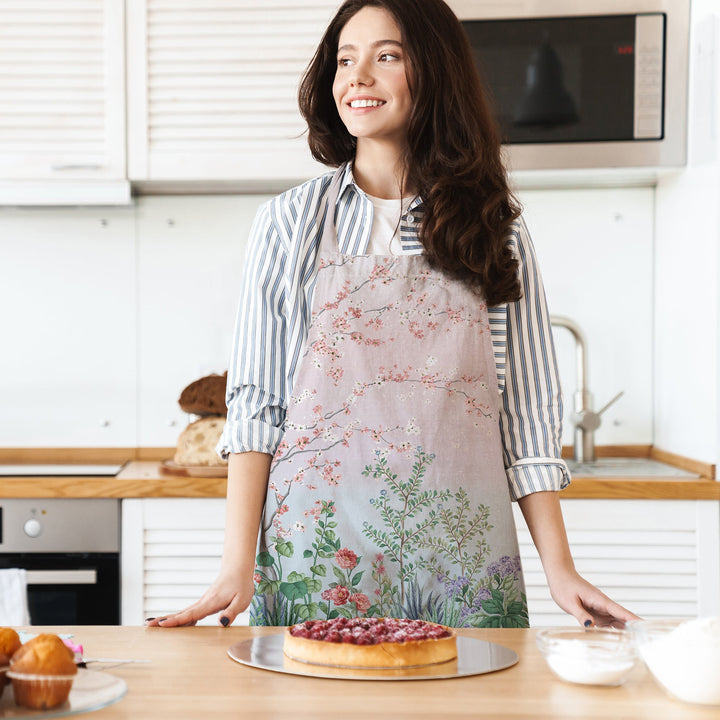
x=190, y=675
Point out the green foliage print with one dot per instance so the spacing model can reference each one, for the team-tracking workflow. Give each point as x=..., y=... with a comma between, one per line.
x=451, y=535
x=436, y=541
x=281, y=600
x=408, y=511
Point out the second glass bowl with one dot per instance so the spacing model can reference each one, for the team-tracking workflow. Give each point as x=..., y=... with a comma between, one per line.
x=596, y=656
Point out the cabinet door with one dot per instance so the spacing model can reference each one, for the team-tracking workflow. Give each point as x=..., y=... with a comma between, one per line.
x=213, y=89
x=62, y=96
x=658, y=558
x=171, y=551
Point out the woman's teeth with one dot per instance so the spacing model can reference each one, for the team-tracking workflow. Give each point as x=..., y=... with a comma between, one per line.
x=366, y=103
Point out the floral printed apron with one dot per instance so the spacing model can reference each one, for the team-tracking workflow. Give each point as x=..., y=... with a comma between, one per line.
x=388, y=495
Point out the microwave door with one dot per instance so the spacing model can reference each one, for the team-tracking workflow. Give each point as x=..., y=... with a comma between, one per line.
x=571, y=79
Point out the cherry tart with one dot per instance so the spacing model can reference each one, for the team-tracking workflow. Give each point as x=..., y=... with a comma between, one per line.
x=370, y=642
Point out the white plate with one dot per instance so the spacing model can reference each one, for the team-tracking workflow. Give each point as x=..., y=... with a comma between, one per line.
x=475, y=657
x=91, y=690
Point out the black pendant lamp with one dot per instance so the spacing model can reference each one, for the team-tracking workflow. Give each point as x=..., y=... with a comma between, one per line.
x=545, y=101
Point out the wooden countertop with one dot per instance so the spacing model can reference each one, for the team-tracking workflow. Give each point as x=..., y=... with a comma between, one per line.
x=142, y=477
x=190, y=676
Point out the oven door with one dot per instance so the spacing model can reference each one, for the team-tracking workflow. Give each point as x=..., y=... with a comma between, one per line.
x=70, y=588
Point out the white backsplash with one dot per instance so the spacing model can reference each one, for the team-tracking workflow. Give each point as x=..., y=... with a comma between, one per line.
x=108, y=313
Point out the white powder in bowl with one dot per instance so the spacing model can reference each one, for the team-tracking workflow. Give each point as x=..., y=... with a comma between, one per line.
x=686, y=661
x=579, y=663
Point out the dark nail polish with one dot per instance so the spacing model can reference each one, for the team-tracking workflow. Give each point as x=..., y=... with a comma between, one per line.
x=224, y=621
x=149, y=619
x=588, y=623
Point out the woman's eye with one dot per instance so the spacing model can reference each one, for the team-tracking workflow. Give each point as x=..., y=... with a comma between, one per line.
x=387, y=57
x=344, y=62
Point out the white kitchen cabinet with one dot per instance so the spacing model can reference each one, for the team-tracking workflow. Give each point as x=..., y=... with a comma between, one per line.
x=62, y=126
x=657, y=558
x=171, y=551
x=69, y=348
x=212, y=90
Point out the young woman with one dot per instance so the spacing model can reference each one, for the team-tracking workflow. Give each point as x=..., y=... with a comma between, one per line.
x=393, y=382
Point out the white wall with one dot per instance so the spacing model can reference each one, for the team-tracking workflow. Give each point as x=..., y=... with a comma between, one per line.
x=687, y=257
x=107, y=313
x=595, y=249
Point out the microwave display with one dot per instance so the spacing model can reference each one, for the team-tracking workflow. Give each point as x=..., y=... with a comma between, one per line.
x=574, y=79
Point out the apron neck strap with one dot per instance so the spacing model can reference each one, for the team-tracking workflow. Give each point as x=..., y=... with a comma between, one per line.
x=328, y=240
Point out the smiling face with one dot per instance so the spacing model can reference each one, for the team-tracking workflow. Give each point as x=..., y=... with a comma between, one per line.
x=371, y=89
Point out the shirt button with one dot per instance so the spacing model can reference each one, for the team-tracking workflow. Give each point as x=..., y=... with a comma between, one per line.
x=411, y=218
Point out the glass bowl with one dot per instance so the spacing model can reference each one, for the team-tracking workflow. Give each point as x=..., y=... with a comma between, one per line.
x=682, y=655
x=596, y=656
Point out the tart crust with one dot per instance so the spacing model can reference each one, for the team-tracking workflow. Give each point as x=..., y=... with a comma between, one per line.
x=409, y=653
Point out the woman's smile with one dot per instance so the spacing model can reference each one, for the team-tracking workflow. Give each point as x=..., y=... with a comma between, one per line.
x=365, y=103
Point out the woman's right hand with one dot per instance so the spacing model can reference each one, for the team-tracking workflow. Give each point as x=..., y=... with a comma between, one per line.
x=229, y=595
x=234, y=587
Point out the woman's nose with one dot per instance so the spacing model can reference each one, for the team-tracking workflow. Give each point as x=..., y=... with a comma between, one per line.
x=361, y=75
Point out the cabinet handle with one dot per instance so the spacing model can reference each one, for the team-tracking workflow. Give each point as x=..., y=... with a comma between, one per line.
x=76, y=166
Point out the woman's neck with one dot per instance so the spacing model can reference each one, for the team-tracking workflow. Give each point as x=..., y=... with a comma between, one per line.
x=378, y=170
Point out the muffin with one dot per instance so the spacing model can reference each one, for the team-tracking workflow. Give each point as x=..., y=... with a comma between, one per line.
x=42, y=672
x=9, y=643
x=4, y=663
x=41, y=639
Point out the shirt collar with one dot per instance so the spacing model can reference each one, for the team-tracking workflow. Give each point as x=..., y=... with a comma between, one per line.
x=349, y=182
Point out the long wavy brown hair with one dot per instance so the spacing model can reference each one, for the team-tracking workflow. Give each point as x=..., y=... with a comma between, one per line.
x=453, y=155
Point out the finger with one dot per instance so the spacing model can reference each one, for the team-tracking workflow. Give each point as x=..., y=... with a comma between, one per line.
x=227, y=616
x=188, y=616
x=607, y=613
x=584, y=618
x=156, y=621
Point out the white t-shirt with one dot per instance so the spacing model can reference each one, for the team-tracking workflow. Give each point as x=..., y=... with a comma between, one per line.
x=385, y=233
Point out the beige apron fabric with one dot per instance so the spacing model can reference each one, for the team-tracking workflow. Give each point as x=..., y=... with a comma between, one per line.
x=387, y=494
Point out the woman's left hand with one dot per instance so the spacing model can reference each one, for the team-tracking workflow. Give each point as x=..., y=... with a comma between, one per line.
x=586, y=603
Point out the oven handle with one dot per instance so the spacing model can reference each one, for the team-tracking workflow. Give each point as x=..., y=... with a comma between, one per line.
x=61, y=577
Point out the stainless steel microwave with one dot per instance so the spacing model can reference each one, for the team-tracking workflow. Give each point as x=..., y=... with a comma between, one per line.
x=584, y=83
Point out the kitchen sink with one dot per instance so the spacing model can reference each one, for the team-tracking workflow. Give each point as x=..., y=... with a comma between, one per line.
x=627, y=468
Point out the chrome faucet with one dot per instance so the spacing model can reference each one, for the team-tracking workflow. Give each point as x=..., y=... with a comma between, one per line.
x=585, y=420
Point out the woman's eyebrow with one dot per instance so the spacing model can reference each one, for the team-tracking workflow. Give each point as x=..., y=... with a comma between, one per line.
x=377, y=43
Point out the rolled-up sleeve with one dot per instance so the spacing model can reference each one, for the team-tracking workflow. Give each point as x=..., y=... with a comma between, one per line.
x=531, y=413
x=257, y=376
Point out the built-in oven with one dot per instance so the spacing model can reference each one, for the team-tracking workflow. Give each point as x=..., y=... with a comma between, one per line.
x=70, y=549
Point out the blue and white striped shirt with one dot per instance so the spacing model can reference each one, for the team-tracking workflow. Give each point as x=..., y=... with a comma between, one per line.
x=274, y=315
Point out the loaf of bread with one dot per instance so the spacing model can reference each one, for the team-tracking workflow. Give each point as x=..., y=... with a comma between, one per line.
x=205, y=396
x=196, y=444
